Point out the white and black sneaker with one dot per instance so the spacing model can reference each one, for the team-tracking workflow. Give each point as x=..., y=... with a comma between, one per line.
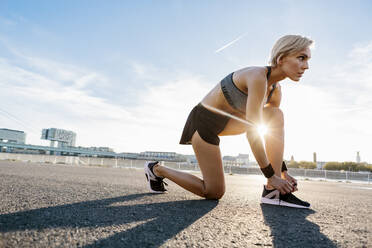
x=274, y=197
x=156, y=184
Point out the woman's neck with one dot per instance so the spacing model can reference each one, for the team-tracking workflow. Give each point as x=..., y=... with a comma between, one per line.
x=276, y=75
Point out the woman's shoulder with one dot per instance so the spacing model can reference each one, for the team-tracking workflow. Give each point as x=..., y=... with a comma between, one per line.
x=253, y=70
x=251, y=73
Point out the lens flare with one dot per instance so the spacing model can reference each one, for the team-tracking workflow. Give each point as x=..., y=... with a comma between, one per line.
x=262, y=130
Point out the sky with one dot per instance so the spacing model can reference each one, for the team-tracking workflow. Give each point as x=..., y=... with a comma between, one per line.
x=126, y=74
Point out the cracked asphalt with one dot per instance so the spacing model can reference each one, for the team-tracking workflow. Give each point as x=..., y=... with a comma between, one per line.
x=45, y=205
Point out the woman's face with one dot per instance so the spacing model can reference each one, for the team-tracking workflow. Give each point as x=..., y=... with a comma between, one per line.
x=294, y=65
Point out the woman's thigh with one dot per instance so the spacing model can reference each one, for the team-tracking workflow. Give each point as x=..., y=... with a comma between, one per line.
x=210, y=163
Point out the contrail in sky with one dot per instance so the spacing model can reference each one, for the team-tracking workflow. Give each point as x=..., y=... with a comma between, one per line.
x=230, y=43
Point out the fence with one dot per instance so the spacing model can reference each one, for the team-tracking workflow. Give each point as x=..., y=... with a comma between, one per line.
x=127, y=163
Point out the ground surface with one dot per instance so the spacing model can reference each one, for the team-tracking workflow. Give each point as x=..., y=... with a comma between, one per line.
x=45, y=205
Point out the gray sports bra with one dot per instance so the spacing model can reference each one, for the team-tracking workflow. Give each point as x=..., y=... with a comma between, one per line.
x=237, y=98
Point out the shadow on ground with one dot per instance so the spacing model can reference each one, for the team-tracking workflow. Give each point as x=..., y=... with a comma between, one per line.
x=290, y=228
x=158, y=221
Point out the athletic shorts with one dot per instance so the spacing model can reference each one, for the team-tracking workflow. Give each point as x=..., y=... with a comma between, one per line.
x=207, y=123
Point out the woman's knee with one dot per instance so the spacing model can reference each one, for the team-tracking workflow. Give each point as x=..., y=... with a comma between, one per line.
x=273, y=117
x=214, y=193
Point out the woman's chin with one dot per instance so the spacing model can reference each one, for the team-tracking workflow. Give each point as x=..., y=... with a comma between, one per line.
x=295, y=78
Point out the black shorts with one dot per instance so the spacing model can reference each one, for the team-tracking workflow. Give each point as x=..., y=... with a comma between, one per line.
x=207, y=123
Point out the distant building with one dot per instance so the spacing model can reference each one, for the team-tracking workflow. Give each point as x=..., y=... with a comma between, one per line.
x=314, y=157
x=240, y=160
x=63, y=137
x=101, y=149
x=191, y=159
x=358, y=158
x=243, y=159
x=229, y=158
x=12, y=136
x=320, y=164
x=253, y=163
x=151, y=155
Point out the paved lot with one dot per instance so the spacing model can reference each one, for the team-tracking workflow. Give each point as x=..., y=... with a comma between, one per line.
x=44, y=205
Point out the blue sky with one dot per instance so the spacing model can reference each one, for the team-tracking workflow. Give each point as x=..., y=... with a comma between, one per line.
x=125, y=74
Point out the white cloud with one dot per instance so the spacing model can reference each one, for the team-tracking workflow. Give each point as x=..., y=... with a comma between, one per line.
x=154, y=124
x=163, y=108
x=361, y=54
x=41, y=102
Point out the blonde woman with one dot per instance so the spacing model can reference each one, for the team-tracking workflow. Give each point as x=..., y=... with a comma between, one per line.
x=252, y=94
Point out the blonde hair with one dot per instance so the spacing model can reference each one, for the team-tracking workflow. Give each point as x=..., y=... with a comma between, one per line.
x=286, y=45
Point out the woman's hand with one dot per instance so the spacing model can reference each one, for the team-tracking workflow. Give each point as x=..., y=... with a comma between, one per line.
x=290, y=179
x=280, y=184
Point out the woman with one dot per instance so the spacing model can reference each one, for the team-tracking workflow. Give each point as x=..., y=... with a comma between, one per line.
x=252, y=94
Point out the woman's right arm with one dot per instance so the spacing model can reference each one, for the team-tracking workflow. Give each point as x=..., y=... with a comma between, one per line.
x=256, y=93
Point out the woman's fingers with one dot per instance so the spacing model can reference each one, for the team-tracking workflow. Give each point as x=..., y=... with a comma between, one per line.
x=295, y=186
x=282, y=185
x=286, y=187
x=292, y=181
x=289, y=188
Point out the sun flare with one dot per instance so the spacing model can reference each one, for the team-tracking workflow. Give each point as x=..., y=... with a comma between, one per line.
x=262, y=130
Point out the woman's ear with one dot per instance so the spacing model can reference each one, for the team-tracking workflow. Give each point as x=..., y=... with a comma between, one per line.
x=279, y=60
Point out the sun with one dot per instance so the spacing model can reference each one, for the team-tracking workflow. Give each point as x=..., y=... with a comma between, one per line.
x=262, y=130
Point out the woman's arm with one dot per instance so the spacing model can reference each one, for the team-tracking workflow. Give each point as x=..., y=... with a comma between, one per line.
x=276, y=97
x=275, y=100
x=256, y=93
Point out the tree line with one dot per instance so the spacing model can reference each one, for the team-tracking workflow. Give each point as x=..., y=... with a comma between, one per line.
x=346, y=166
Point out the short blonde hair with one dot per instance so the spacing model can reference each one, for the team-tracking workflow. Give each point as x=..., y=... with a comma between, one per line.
x=286, y=45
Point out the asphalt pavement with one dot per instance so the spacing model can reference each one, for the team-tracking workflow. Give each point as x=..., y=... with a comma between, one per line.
x=46, y=205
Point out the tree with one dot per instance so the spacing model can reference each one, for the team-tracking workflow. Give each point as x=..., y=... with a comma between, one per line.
x=302, y=164
x=348, y=166
x=307, y=165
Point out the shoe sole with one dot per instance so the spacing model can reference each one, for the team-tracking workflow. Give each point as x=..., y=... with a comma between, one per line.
x=280, y=203
x=148, y=181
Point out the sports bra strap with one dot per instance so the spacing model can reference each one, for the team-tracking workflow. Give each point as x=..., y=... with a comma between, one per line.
x=268, y=72
x=274, y=85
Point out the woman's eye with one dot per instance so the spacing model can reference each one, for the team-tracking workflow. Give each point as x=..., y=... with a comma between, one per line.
x=301, y=57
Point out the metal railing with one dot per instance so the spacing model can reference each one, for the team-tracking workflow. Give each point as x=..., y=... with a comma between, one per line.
x=130, y=163
x=302, y=173
x=309, y=173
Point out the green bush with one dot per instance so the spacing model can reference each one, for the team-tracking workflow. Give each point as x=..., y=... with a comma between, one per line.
x=301, y=164
x=293, y=164
x=307, y=165
x=348, y=166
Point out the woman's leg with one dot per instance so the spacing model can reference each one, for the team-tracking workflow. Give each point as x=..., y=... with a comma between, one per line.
x=212, y=186
x=274, y=139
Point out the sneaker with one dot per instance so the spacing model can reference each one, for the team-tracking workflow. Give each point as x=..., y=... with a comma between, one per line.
x=156, y=184
x=274, y=197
